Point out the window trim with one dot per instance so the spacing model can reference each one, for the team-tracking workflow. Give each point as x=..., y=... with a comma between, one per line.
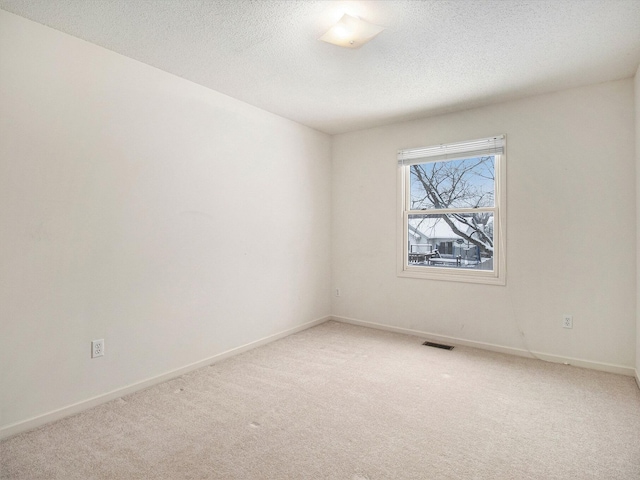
x=495, y=277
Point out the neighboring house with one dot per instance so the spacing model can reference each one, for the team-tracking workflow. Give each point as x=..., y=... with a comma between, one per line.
x=427, y=238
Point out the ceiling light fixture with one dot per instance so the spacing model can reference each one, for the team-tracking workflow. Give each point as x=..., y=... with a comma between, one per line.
x=351, y=32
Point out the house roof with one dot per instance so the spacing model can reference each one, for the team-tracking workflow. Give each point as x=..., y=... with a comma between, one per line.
x=439, y=230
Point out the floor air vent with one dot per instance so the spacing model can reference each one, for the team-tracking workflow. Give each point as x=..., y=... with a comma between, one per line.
x=438, y=345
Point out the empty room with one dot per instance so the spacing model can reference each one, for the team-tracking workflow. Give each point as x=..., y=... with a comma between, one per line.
x=300, y=239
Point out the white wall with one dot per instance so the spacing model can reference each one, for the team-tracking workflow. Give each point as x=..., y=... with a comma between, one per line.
x=570, y=236
x=637, y=117
x=172, y=221
x=177, y=223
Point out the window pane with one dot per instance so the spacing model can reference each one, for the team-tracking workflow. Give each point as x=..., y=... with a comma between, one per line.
x=463, y=241
x=467, y=183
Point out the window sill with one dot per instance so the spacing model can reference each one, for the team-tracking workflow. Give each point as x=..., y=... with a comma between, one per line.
x=446, y=274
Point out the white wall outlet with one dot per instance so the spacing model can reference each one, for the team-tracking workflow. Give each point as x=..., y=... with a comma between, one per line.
x=97, y=348
x=337, y=292
x=567, y=321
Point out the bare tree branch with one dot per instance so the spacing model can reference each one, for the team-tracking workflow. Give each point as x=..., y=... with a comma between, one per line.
x=457, y=184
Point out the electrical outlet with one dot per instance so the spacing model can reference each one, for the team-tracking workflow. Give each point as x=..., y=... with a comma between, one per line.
x=337, y=292
x=567, y=321
x=97, y=348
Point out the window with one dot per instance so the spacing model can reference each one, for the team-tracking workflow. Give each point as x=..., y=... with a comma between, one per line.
x=452, y=207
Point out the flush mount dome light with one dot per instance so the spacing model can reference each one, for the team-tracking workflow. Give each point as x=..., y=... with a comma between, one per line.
x=351, y=32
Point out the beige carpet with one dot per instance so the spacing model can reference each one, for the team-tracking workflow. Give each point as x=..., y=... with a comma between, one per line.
x=344, y=402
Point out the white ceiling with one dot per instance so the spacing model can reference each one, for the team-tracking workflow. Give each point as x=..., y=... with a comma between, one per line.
x=435, y=56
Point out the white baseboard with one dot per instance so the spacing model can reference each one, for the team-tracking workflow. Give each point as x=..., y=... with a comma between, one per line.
x=577, y=362
x=69, y=410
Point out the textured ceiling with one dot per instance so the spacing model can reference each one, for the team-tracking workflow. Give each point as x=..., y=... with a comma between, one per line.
x=433, y=57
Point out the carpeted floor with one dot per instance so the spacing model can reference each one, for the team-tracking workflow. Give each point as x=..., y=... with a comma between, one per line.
x=344, y=402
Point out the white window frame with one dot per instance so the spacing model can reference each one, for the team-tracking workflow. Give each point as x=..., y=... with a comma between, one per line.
x=453, y=151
